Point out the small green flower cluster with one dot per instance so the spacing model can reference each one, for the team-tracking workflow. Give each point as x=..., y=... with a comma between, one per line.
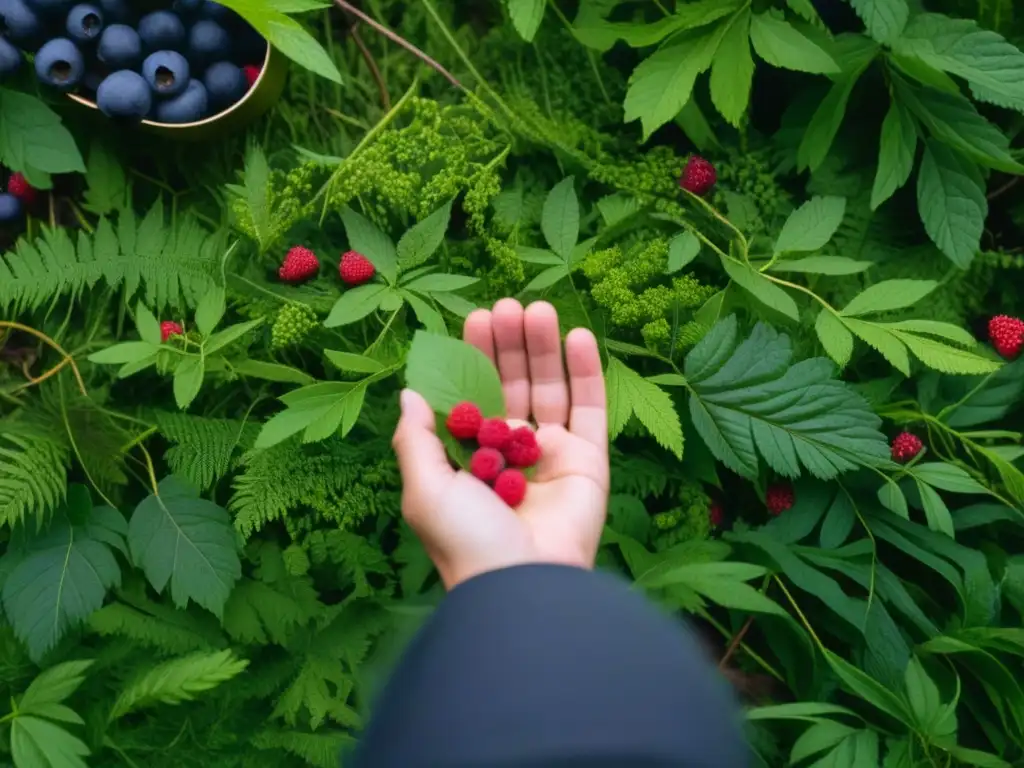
x=687, y=521
x=289, y=200
x=652, y=177
x=622, y=284
x=292, y=326
x=749, y=175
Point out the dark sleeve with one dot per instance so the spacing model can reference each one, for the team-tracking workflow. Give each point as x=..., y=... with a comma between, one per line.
x=553, y=666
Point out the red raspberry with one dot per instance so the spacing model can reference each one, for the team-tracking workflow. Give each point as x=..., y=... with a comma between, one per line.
x=522, y=450
x=487, y=464
x=906, y=446
x=1007, y=335
x=170, y=328
x=699, y=176
x=300, y=264
x=464, y=421
x=779, y=498
x=716, y=515
x=511, y=487
x=355, y=269
x=18, y=186
x=494, y=433
x=252, y=74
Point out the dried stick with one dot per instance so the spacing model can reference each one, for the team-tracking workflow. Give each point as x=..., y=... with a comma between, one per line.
x=385, y=97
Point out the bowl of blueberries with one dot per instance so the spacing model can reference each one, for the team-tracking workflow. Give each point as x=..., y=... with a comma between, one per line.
x=189, y=70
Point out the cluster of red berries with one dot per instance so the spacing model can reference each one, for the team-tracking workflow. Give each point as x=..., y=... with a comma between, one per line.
x=1007, y=335
x=906, y=446
x=779, y=498
x=301, y=264
x=502, y=453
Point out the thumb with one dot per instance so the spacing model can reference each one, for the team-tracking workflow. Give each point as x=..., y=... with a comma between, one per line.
x=421, y=456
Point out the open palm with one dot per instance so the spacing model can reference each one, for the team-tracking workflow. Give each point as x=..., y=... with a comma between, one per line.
x=465, y=527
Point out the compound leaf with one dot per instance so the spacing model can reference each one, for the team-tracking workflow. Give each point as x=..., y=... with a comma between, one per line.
x=629, y=393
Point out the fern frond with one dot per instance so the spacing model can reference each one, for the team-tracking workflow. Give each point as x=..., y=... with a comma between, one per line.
x=178, y=680
x=172, y=263
x=318, y=749
x=204, y=447
x=357, y=557
x=34, y=458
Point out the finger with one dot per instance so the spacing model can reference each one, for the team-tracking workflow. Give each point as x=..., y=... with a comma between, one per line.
x=477, y=331
x=421, y=456
x=510, y=350
x=549, y=391
x=589, y=413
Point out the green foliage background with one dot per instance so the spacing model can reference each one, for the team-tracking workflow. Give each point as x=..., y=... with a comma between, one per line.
x=216, y=519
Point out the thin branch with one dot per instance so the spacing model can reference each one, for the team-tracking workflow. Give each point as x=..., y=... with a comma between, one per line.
x=399, y=40
x=735, y=642
x=385, y=97
x=68, y=359
x=1005, y=188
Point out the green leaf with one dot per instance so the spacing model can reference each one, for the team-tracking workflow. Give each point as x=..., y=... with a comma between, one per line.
x=455, y=304
x=761, y=288
x=54, y=685
x=896, y=152
x=993, y=67
x=106, y=178
x=812, y=225
x=944, y=358
x=934, y=327
x=935, y=510
x=297, y=44
x=629, y=394
x=128, y=352
x=869, y=689
x=976, y=758
x=892, y=498
x=339, y=418
x=346, y=361
x=228, y=336
x=367, y=239
x=284, y=374
x=948, y=477
x=538, y=256
x=732, y=71
x=560, y=221
x=63, y=575
x=178, y=538
x=882, y=341
x=922, y=694
x=441, y=283
x=32, y=137
x=662, y=84
x=431, y=319
x=780, y=44
x=355, y=304
x=799, y=710
x=722, y=583
x=749, y=400
x=188, y=380
x=975, y=401
x=147, y=324
x=526, y=17
x=884, y=19
x=819, y=738
x=823, y=265
x=210, y=311
x=824, y=125
x=888, y=295
x=682, y=250
x=421, y=242
x=835, y=338
x=41, y=744
x=952, y=203
x=547, y=278
x=447, y=372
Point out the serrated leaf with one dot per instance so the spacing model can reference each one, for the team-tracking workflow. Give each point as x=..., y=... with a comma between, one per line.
x=187, y=542
x=823, y=265
x=782, y=45
x=951, y=201
x=560, y=220
x=355, y=304
x=884, y=19
x=147, y=324
x=935, y=510
x=33, y=139
x=127, y=352
x=662, y=84
x=761, y=288
x=55, y=684
x=210, y=310
x=526, y=17
x=346, y=361
x=429, y=317
x=683, y=249
x=289, y=37
x=339, y=418
x=41, y=744
x=447, y=372
x=732, y=71
x=824, y=125
x=896, y=151
x=188, y=380
x=888, y=295
x=947, y=477
x=228, y=336
x=547, y=278
x=934, y=327
x=629, y=393
x=835, y=338
x=284, y=374
x=882, y=341
x=422, y=240
x=891, y=496
x=945, y=358
x=812, y=225
x=365, y=238
x=750, y=401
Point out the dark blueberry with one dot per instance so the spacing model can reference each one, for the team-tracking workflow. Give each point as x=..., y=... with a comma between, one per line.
x=120, y=47
x=186, y=7
x=189, y=107
x=116, y=11
x=225, y=84
x=162, y=31
x=208, y=41
x=10, y=58
x=18, y=22
x=59, y=63
x=124, y=95
x=56, y=8
x=10, y=209
x=166, y=72
x=85, y=23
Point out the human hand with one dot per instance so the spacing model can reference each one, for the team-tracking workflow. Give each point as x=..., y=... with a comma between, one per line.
x=466, y=528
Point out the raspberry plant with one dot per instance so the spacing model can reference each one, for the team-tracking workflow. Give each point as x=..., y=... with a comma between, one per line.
x=795, y=228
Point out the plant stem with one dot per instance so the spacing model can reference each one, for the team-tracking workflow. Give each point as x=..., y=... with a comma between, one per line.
x=67, y=359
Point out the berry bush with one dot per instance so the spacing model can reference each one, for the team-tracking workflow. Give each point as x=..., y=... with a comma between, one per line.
x=795, y=226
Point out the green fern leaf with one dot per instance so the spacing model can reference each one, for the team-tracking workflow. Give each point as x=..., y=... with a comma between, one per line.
x=261, y=612
x=317, y=749
x=34, y=457
x=204, y=447
x=630, y=394
x=177, y=680
x=156, y=627
x=749, y=400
